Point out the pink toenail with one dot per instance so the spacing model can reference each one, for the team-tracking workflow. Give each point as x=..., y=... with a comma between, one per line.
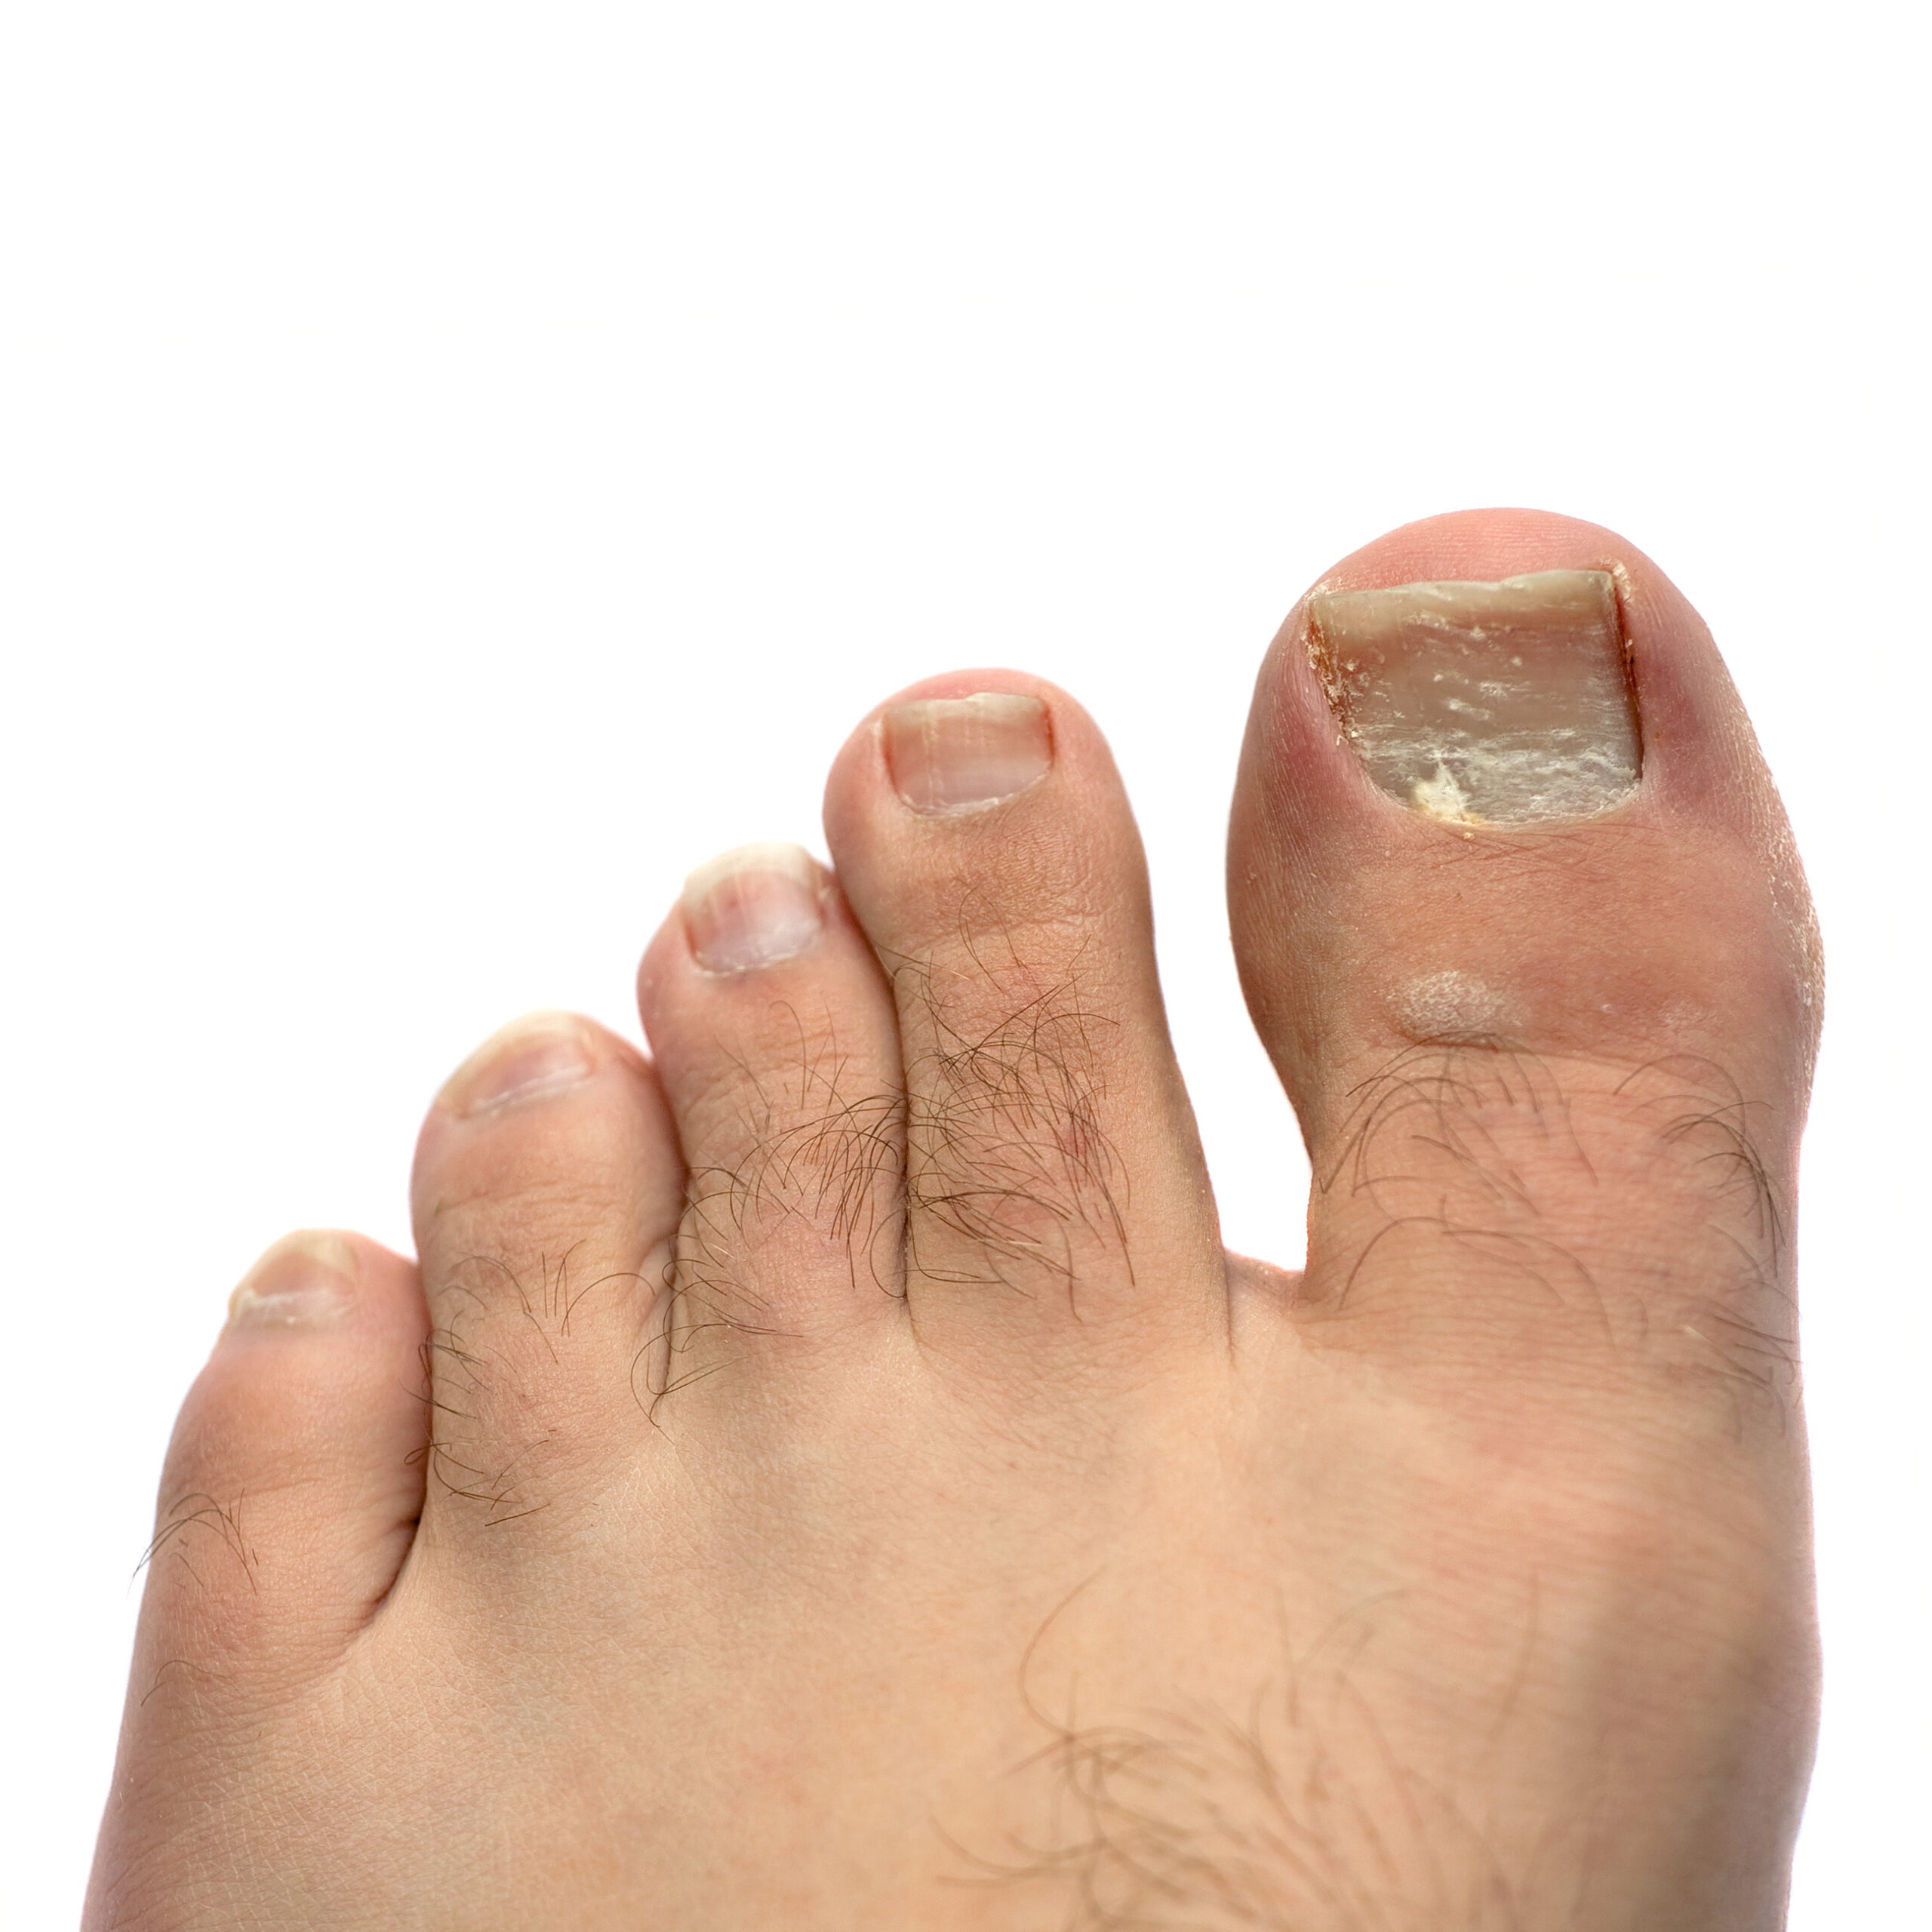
x=1482, y=703
x=306, y=1281
x=542, y=1053
x=753, y=907
x=961, y=754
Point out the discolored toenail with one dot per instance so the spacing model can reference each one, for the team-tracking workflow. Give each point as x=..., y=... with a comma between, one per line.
x=753, y=907
x=306, y=1281
x=542, y=1053
x=960, y=754
x=1478, y=703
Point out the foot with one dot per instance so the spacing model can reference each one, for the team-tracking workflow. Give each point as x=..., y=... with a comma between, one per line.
x=830, y=1474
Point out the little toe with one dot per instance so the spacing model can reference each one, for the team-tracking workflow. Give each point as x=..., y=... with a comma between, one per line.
x=547, y=1189
x=1520, y=922
x=985, y=843
x=289, y=1501
x=293, y=1482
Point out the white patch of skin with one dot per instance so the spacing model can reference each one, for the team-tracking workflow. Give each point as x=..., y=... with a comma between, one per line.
x=1452, y=1005
x=1678, y=1017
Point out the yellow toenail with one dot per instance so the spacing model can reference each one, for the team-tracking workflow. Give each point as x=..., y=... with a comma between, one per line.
x=1481, y=703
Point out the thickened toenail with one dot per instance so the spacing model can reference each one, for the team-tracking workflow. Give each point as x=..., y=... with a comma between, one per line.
x=306, y=1281
x=958, y=754
x=753, y=907
x=543, y=1053
x=1477, y=702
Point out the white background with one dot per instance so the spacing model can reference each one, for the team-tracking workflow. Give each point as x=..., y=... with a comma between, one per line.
x=460, y=465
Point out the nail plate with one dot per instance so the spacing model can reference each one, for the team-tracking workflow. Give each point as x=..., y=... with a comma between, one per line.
x=541, y=1053
x=1480, y=704
x=950, y=754
x=753, y=907
x=306, y=1281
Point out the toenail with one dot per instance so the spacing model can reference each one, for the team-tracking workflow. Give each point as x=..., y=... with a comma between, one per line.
x=1480, y=702
x=960, y=754
x=306, y=1281
x=542, y=1053
x=753, y=907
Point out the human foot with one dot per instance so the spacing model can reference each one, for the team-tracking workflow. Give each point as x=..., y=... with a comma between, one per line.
x=856, y=1490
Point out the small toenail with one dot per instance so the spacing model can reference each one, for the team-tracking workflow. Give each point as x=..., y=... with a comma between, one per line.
x=306, y=1281
x=1484, y=702
x=542, y=1053
x=961, y=754
x=753, y=907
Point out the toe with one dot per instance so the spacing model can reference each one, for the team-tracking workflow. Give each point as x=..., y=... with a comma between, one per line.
x=547, y=1187
x=983, y=840
x=289, y=1500
x=1521, y=923
x=293, y=1482
x=774, y=1031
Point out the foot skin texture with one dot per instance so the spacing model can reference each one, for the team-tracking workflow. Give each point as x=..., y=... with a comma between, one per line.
x=829, y=1475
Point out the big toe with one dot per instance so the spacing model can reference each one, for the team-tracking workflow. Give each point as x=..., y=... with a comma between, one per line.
x=1521, y=925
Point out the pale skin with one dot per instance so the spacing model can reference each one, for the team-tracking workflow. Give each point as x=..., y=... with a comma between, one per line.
x=852, y=1487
